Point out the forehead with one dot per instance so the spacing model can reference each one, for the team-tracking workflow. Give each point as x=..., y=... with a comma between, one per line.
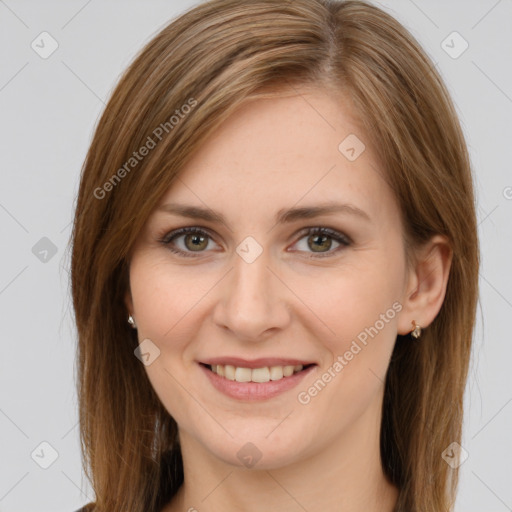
x=274, y=153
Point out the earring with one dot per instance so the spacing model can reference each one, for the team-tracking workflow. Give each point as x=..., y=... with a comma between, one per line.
x=131, y=321
x=416, y=332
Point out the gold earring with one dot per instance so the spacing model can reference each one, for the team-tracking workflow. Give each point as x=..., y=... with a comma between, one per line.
x=416, y=332
x=131, y=321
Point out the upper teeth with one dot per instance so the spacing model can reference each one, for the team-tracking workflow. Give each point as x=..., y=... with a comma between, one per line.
x=265, y=374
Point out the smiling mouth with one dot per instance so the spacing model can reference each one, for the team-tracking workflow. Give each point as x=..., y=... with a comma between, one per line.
x=261, y=375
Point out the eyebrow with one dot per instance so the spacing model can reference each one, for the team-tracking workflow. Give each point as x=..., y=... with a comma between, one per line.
x=283, y=216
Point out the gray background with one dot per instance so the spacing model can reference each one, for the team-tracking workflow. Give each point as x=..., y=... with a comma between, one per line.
x=49, y=108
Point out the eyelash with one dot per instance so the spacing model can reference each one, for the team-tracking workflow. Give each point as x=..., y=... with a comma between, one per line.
x=344, y=240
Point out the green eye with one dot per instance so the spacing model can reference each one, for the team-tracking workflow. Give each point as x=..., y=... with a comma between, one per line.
x=196, y=240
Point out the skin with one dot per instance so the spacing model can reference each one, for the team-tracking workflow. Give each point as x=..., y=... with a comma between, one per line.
x=300, y=298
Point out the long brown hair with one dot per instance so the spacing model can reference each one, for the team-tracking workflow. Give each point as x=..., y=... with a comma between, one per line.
x=179, y=89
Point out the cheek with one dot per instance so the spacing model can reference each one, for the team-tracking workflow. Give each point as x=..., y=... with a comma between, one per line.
x=352, y=374
x=361, y=307
x=162, y=297
x=163, y=302
x=347, y=300
x=357, y=308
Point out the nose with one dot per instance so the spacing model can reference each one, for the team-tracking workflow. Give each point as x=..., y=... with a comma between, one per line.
x=252, y=303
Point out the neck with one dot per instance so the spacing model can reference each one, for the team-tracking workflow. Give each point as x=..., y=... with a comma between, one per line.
x=346, y=476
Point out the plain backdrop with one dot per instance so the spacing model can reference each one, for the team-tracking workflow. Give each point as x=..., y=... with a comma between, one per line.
x=49, y=108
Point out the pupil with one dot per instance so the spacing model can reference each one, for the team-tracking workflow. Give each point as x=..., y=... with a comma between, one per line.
x=196, y=240
x=320, y=239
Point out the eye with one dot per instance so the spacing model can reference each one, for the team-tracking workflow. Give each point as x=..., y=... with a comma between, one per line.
x=319, y=240
x=195, y=240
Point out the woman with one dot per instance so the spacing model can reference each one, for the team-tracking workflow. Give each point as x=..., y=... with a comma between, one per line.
x=275, y=267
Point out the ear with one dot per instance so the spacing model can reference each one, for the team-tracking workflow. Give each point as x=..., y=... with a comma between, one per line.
x=426, y=284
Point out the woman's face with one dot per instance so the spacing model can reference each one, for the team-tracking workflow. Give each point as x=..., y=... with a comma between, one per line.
x=262, y=289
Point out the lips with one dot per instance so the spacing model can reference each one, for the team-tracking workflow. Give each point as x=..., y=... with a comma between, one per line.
x=255, y=379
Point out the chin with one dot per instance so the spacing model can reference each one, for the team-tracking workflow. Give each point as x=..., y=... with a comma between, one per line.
x=254, y=450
